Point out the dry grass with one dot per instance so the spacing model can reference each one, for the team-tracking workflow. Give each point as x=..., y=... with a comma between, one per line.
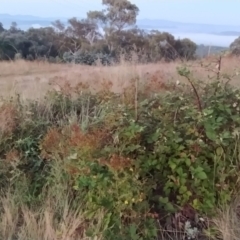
x=8, y=113
x=20, y=222
x=33, y=79
x=228, y=221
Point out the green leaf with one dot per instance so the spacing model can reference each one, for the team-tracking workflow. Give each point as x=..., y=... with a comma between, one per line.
x=196, y=203
x=201, y=175
x=133, y=232
x=182, y=189
x=211, y=134
x=89, y=232
x=163, y=200
x=169, y=207
x=219, y=151
x=106, y=221
x=172, y=165
x=226, y=134
x=188, y=193
x=219, y=119
x=178, y=140
x=198, y=169
x=188, y=162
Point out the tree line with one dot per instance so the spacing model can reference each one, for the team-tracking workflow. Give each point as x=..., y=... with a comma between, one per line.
x=105, y=36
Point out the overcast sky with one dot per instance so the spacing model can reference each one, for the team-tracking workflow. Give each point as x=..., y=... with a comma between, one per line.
x=195, y=11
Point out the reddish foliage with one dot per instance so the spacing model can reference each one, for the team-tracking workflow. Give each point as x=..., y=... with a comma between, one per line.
x=13, y=155
x=116, y=162
x=8, y=119
x=62, y=141
x=52, y=143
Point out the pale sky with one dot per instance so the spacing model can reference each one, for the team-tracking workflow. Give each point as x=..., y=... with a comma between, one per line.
x=224, y=12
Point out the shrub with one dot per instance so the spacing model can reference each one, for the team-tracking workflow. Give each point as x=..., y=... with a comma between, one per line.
x=88, y=58
x=177, y=155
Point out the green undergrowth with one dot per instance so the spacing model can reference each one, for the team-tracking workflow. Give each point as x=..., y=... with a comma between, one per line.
x=131, y=166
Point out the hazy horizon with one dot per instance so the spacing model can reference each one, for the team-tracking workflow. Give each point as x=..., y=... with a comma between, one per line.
x=196, y=11
x=214, y=12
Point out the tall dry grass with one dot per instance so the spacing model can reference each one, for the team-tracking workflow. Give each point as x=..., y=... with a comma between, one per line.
x=21, y=222
x=228, y=221
x=33, y=79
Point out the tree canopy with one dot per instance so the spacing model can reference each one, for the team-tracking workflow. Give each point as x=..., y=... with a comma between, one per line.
x=104, y=35
x=235, y=47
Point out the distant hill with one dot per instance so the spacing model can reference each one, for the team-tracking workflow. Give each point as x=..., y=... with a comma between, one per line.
x=187, y=27
x=229, y=33
x=26, y=21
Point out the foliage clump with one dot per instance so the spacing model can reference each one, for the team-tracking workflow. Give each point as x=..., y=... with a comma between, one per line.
x=173, y=153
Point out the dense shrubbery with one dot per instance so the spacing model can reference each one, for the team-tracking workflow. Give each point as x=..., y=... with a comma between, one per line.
x=88, y=58
x=48, y=43
x=173, y=153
